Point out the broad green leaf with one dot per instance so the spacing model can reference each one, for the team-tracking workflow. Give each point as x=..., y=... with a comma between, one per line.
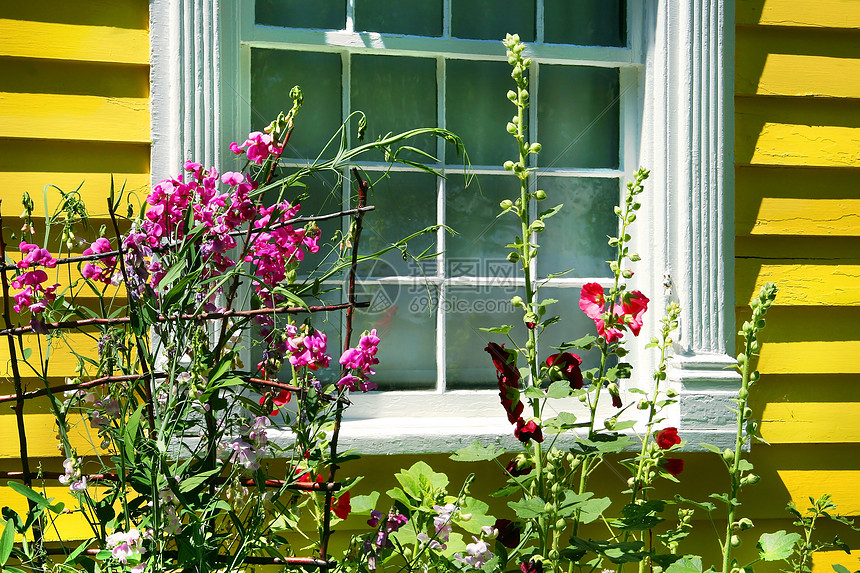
x=583, y=343
x=744, y=465
x=564, y=421
x=435, y=479
x=364, y=504
x=504, y=329
x=777, y=546
x=131, y=428
x=712, y=448
x=640, y=516
x=840, y=568
x=475, y=452
x=193, y=482
x=6, y=541
x=534, y=392
x=477, y=510
x=559, y=389
x=398, y=494
x=688, y=564
x=592, y=509
x=528, y=508
x=27, y=353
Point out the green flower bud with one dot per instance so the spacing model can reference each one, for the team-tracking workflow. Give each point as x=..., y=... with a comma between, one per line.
x=744, y=523
x=506, y=204
x=728, y=455
x=509, y=165
x=735, y=541
x=560, y=524
x=743, y=393
x=643, y=405
x=540, y=194
x=537, y=226
x=512, y=95
x=672, y=393
x=535, y=148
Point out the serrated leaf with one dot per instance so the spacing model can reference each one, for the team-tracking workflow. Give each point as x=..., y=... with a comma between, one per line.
x=688, y=564
x=528, y=508
x=559, y=389
x=564, y=421
x=475, y=452
x=592, y=509
x=534, y=393
x=777, y=546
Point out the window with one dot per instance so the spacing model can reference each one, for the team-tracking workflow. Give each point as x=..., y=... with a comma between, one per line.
x=650, y=89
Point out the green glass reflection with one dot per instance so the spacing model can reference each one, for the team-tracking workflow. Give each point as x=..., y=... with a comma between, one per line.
x=415, y=17
x=322, y=196
x=479, y=249
x=322, y=14
x=579, y=117
x=492, y=19
x=274, y=73
x=405, y=321
x=575, y=237
x=405, y=204
x=586, y=22
x=397, y=94
x=477, y=110
x=467, y=309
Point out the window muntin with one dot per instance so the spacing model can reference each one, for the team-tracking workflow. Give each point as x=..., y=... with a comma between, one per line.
x=429, y=312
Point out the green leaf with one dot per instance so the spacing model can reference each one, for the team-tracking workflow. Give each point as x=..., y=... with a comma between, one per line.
x=550, y=212
x=130, y=436
x=712, y=448
x=504, y=329
x=564, y=421
x=475, y=452
x=777, y=546
x=706, y=505
x=584, y=343
x=840, y=568
x=195, y=481
x=6, y=541
x=744, y=465
x=559, y=389
x=641, y=516
x=30, y=494
x=477, y=509
x=26, y=353
x=528, y=508
x=688, y=564
x=364, y=504
x=592, y=509
x=398, y=494
x=78, y=550
x=534, y=392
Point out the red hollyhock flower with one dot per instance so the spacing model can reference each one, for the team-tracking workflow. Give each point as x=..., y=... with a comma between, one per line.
x=341, y=507
x=526, y=432
x=518, y=467
x=509, y=532
x=634, y=305
x=667, y=437
x=565, y=366
x=509, y=380
x=531, y=566
x=673, y=465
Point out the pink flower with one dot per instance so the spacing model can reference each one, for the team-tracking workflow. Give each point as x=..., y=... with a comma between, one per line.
x=629, y=314
x=592, y=300
x=634, y=305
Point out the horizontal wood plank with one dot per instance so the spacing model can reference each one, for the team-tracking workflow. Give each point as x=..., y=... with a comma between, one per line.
x=94, y=188
x=798, y=75
x=42, y=439
x=74, y=117
x=808, y=13
x=800, y=283
x=842, y=485
x=810, y=423
x=72, y=527
x=810, y=357
x=51, y=40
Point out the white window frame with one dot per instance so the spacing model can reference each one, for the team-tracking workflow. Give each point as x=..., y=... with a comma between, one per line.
x=680, y=54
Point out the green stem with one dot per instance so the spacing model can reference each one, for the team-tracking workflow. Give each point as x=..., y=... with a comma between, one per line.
x=735, y=469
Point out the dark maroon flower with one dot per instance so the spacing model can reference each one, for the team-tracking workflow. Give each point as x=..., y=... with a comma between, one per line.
x=527, y=431
x=531, y=566
x=505, y=362
x=565, y=366
x=531, y=325
x=615, y=393
x=667, y=437
x=509, y=532
x=518, y=466
x=510, y=398
x=673, y=465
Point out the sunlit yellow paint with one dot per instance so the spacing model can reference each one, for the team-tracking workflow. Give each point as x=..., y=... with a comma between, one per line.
x=74, y=117
x=813, y=13
x=42, y=439
x=792, y=144
x=31, y=39
x=799, y=75
x=811, y=422
x=802, y=284
x=61, y=360
x=803, y=216
x=841, y=485
x=810, y=357
x=95, y=188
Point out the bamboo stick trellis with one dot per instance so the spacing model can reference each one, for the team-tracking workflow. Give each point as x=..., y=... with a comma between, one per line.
x=21, y=396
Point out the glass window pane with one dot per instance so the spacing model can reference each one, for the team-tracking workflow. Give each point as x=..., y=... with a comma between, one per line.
x=572, y=326
x=274, y=73
x=415, y=17
x=324, y=192
x=575, y=237
x=396, y=94
x=578, y=117
x=405, y=204
x=492, y=19
x=586, y=22
x=323, y=14
x=478, y=111
x=467, y=309
x=479, y=247
x=405, y=321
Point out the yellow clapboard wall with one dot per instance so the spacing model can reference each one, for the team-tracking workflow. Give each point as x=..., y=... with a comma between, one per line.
x=797, y=217
x=74, y=111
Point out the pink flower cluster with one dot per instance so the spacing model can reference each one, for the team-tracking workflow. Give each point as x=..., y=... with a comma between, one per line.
x=361, y=359
x=611, y=324
x=258, y=147
x=103, y=269
x=306, y=348
x=33, y=296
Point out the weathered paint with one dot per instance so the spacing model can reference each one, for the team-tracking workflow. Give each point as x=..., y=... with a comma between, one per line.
x=792, y=13
x=801, y=283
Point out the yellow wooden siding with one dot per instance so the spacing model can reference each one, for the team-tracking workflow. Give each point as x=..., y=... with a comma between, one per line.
x=74, y=109
x=797, y=221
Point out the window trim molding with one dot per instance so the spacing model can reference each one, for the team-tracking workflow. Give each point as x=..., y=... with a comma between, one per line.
x=686, y=140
